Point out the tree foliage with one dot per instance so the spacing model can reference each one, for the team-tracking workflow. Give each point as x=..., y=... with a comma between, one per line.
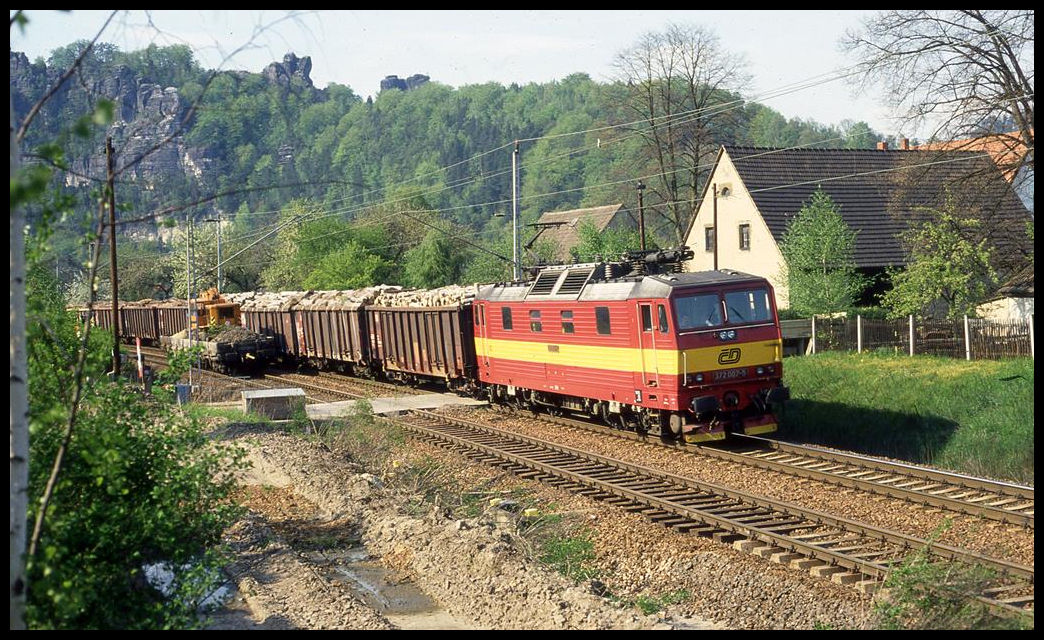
x=350, y=267
x=607, y=244
x=140, y=484
x=818, y=252
x=945, y=267
x=436, y=262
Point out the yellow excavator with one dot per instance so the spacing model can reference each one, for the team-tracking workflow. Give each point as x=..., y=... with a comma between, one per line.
x=227, y=346
x=212, y=310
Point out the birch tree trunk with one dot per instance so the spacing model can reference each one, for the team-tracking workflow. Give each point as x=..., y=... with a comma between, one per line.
x=19, y=404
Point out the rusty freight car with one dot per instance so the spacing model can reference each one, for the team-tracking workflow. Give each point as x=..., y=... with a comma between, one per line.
x=424, y=335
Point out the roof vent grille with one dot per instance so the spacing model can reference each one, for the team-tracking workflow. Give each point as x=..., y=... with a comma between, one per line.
x=544, y=283
x=574, y=281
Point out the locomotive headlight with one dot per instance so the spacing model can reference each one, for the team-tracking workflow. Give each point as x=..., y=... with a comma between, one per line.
x=699, y=377
x=760, y=371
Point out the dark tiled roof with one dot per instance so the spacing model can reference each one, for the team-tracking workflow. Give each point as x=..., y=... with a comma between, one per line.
x=1019, y=285
x=880, y=192
x=562, y=227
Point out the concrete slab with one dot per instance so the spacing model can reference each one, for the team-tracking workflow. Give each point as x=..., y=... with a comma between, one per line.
x=277, y=404
x=391, y=405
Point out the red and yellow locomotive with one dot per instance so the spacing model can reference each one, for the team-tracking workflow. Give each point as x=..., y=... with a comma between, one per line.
x=691, y=355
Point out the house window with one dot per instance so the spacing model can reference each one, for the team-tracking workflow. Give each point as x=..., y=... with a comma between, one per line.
x=602, y=320
x=567, y=322
x=744, y=237
x=708, y=238
x=534, y=322
x=505, y=314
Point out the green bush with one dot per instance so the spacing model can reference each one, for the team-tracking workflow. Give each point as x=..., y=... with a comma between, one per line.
x=139, y=484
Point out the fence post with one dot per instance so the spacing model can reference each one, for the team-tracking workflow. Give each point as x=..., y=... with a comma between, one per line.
x=813, y=334
x=967, y=341
x=1032, y=355
x=859, y=334
x=911, y=335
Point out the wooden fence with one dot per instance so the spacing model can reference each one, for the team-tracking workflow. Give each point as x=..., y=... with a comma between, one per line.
x=970, y=338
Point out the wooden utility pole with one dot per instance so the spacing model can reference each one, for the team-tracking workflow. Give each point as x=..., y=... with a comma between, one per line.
x=112, y=261
x=641, y=213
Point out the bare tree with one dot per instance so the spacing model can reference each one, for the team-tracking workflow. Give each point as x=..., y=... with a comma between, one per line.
x=682, y=84
x=962, y=74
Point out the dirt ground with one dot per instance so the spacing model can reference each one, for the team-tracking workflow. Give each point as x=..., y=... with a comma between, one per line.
x=325, y=545
x=328, y=543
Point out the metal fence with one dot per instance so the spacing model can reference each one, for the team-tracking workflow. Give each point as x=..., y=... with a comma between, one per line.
x=970, y=338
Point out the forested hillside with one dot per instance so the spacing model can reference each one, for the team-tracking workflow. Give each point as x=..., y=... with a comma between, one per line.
x=325, y=173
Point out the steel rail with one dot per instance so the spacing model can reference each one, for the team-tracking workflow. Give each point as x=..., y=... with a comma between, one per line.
x=991, y=499
x=854, y=546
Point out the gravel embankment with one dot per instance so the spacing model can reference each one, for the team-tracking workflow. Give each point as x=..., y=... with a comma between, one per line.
x=989, y=537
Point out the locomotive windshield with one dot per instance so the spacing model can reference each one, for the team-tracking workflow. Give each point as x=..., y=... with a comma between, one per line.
x=697, y=312
x=705, y=310
x=748, y=305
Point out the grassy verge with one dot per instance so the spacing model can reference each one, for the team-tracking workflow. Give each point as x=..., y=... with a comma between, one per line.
x=974, y=417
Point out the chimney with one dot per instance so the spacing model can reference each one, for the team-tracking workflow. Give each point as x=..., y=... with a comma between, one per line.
x=882, y=146
x=904, y=144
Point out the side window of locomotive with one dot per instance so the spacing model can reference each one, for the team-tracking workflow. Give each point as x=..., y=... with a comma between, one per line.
x=698, y=312
x=567, y=322
x=534, y=322
x=505, y=314
x=646, y=317
x=749, y=305
x=602, y=320
x=661, y=311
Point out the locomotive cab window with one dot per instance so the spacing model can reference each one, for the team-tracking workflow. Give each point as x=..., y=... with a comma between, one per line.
x=602, y=320
x=662, y=313
x=567, y=322
x=505, y=314
x=534, y=322
x=698, y=311
x=749, y=305
x=646, y=317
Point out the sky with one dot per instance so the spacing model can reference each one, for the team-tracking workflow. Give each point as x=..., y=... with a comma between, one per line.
x=460, y=47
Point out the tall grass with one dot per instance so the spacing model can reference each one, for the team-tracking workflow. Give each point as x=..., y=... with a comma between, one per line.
x=974, y=417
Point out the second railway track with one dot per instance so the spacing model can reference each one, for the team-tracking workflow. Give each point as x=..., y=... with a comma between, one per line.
x=1005, y=502
x=845, y=550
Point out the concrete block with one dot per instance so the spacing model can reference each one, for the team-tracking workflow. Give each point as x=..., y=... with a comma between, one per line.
x=846, y=578
x=726, y=537
x=746, y=546
x=767, y=552
x=806, y=563
x=785, y=557
x=277, y=404
x=825, y=571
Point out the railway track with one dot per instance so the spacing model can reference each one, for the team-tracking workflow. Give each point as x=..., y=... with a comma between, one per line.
x=1010, y=503
x=846, y=551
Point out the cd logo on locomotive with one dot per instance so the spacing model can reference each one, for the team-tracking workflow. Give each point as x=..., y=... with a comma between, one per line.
x=729, y=356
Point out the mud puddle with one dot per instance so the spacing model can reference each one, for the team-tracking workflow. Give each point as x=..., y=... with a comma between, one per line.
x=402, y=602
